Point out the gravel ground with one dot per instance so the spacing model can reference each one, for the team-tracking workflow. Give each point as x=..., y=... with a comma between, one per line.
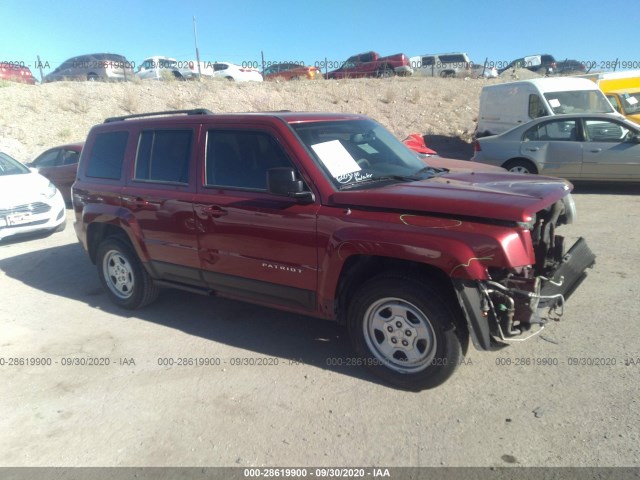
x=566, y=398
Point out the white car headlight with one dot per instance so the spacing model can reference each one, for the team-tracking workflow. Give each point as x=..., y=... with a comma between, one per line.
x=50, y=191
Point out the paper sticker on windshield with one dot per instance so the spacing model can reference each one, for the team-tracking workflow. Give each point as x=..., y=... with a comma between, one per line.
x=554, y=102
x=336, y=158
x=631, y=100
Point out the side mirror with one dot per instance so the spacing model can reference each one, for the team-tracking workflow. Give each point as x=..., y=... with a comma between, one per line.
x=633, y=137
x=282, y=181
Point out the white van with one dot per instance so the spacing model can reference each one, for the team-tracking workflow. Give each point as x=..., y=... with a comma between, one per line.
x=441, y=65
x=506, y=105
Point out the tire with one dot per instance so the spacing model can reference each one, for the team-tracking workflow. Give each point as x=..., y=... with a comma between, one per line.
x=404, y=331
x=122, y=275
x=92, y=77
x=521, y=166
x=385, y=72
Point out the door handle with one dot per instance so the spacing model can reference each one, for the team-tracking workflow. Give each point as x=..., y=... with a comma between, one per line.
x=596, y=150
x=533, y=149
x=214, y=211
x=135, y=202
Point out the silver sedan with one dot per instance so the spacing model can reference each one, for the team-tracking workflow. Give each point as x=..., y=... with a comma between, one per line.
x=592, y=147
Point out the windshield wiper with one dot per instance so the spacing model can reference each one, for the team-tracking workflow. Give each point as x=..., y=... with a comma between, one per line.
x=383, y=178
x=433, y=171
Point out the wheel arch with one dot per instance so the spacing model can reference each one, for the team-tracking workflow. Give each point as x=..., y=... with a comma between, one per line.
x=125, y=228
x=521, y=159
x=360, y=268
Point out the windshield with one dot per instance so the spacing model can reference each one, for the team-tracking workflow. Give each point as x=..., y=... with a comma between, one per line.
x=358, y=153
x=631, y=102
x=9, y=166
x=578, y=101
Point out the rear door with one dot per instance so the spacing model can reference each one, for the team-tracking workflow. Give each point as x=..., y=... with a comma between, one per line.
x=609, y=152
x=254, y=245
x=159, y=194
x=555, y=145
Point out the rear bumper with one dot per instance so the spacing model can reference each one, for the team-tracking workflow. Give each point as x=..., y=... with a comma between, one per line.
x=403, y=70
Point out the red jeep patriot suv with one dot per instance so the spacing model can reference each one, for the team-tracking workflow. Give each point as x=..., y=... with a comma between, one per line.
x=327, y=215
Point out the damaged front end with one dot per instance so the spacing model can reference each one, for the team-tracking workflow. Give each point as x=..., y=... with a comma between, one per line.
x=516, y=304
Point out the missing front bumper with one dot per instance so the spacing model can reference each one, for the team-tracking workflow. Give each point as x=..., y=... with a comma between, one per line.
x=515, y=310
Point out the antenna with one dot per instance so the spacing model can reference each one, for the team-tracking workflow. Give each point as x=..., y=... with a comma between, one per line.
x=195, y=38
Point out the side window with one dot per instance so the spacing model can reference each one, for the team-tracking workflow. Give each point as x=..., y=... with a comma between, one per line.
x=70, y=157
x=427, y=61
x=452, y=59
x=605, y=131
x=163, y=156
x=107, y=155
x=536, y=107
x=48, y=159
x=241, y=158
x=367, y=57
x=558, y=130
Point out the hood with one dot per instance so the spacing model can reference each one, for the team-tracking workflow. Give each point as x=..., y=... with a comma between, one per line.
x=498, y=196
x=21, y=189
x=456, y=166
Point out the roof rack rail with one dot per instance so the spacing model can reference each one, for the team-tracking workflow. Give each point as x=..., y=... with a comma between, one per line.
x=194, y=111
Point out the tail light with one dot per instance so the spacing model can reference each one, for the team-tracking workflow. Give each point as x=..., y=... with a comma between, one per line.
x=476, y=146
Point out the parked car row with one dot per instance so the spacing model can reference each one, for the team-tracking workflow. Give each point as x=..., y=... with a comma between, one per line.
x=109, y=66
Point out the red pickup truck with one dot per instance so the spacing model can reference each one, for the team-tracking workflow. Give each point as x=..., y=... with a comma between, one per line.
x=327, y=215
x=371, y=64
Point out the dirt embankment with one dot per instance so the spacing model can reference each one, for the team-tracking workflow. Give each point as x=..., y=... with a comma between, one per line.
x=34, y=118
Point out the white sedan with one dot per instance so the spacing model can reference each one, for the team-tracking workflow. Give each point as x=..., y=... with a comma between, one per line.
x=29, y=202
x=236, y=73
x=159, y=68
x=593, y=147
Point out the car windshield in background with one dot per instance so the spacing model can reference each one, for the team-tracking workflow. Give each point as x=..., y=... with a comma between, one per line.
x=360, y=152
x=631, y=103
x=9, y=166
x=579, y=101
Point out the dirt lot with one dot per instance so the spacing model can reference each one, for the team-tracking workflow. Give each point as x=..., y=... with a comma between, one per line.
x=306, y=406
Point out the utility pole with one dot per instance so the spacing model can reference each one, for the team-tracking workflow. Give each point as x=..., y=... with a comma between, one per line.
x=195, y=38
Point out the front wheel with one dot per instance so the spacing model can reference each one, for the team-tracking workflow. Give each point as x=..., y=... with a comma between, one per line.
x=123, y=276
x=520, y=166
x=404, y=330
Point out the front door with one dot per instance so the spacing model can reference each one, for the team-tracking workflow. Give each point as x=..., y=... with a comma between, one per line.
x=254, y=245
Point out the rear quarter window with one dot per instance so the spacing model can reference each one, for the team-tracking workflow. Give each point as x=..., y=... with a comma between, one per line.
x=107, y=155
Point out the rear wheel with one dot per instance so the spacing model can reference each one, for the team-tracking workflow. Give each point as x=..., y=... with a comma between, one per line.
x=521, y=166
x=403, y=328
x=92, y=77
x=385, y=72
x=127, y=282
